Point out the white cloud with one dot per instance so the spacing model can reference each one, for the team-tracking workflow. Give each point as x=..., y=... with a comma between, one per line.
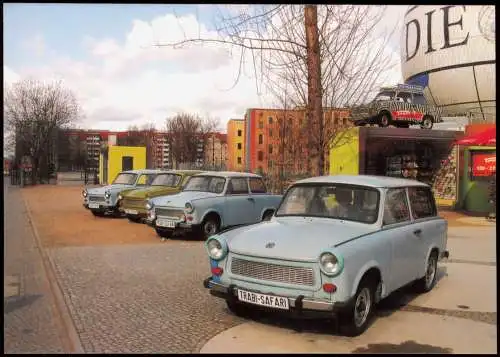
x=133, y=82
x=9, y=76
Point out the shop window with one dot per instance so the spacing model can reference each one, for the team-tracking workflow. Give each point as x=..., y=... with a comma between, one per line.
x=270, y=120
x=239, y=146
x=261, y=124
x=396, y=207
x=257, y=185
x=422, y=202
x=237, y=186
x=261, y=139
x=239, y=133
x=260, y=156
x=270, y=149
x=239, y=160
x=419, y=99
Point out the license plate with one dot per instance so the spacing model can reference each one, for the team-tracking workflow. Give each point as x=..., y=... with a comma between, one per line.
x=276, y=302
x=131, y=211
x=93, y=205
x=168, y=223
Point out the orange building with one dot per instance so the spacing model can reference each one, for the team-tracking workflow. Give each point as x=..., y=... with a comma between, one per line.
x=236, y=145
x=276, y=140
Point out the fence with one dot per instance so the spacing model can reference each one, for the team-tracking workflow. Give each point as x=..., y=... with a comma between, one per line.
x=22, y=177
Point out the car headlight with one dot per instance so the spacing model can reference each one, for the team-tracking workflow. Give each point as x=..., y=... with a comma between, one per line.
x=188, y=208
x=216, y=248
x=107, y=195
x=152, y=214
x=120, y=197
x=84, y=193
x=331, y=264
x=149, y=205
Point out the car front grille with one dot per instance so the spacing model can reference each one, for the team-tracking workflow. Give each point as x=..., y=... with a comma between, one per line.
x=97, y=199
x=169, y=212
x=134, y=202
x=273, y=272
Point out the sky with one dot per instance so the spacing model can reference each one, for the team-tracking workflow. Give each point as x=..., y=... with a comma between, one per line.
x=103, y=53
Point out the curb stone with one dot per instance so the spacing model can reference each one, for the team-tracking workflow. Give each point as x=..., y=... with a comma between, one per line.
x=61, y=307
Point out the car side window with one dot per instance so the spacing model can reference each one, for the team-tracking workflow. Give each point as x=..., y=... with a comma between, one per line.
x=142, y=180
x=419, y=99
x=396, y=208
x=257, y=185
x=237, y=186
x=422, y=202
x=405, y=96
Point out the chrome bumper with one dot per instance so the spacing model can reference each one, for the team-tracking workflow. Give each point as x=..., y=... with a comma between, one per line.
x=299, y=303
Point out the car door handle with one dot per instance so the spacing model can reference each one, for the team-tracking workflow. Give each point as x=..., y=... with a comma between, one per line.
x=417, y=232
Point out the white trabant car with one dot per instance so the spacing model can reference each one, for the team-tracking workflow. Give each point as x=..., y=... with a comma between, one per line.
x=336, y=246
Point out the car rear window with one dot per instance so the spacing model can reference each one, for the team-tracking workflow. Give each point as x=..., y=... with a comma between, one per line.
x=422, y=202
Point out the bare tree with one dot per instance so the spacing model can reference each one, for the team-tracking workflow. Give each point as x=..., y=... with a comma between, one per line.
x=298, y=46
x=187, y=134
x=34, y=111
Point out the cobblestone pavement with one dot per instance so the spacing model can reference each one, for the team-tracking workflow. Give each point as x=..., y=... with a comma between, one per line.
x=146, y=298
x=30, y=321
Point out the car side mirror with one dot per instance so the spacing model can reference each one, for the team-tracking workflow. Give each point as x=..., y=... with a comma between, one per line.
x=399, y=99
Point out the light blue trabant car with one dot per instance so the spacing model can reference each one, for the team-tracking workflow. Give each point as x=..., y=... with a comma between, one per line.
x=335, y=247
x=106, y=199
x=212, y=201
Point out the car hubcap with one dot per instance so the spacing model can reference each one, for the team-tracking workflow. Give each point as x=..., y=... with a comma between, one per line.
x=431, y=272
x=384, y=120
x=210, y=228
x=362, y=307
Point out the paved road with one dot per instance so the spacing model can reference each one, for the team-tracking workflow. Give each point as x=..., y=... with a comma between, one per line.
x=30, y=317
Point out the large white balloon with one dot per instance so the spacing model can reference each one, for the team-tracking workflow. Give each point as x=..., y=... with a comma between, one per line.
x=450, y=50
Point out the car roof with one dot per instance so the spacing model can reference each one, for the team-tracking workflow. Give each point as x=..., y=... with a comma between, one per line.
x=185, y=172
x=228, y=174
x=364, y=180
x=143, y=171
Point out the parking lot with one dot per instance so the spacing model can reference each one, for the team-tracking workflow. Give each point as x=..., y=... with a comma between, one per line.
x=128, y=292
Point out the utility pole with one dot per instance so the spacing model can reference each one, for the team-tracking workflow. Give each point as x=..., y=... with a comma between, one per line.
x=314, y=95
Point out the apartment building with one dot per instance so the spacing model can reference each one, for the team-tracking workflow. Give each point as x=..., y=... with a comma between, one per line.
x=276, y=140
x=162, y=155
x=215, y=151
x=236, y=144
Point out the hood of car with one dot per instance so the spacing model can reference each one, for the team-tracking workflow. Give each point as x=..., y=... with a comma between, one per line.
x=297, y=238
x=108, y=188
x=153, y=191
x=180, y=199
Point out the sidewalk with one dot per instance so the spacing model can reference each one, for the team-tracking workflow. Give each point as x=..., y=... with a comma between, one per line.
x=456, y=218
x=30, y=318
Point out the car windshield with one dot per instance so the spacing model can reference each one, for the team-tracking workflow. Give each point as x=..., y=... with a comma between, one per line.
x=345, y=202
x=385, y=95
x=213, y=184
x=167, y=180
x=125, y=179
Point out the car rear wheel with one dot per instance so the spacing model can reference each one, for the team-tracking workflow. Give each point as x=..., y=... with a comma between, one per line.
x=210, y=226
x=267, y=215
x=98, y=214
x=384, y=120
x=428, y=281
x=355, y=320
x=427, y=122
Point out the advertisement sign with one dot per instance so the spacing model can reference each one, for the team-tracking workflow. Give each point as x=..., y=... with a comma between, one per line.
x=483, y=164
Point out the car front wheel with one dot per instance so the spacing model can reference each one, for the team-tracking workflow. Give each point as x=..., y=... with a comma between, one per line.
x=209, y=227
x=384, y=120
x=354, y=321
x=163, y=233
x=427, y=122
x=98, y=214
x=237, y=309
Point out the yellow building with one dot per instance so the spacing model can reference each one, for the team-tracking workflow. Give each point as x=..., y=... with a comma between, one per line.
x=116, y=159
x=235, y=144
